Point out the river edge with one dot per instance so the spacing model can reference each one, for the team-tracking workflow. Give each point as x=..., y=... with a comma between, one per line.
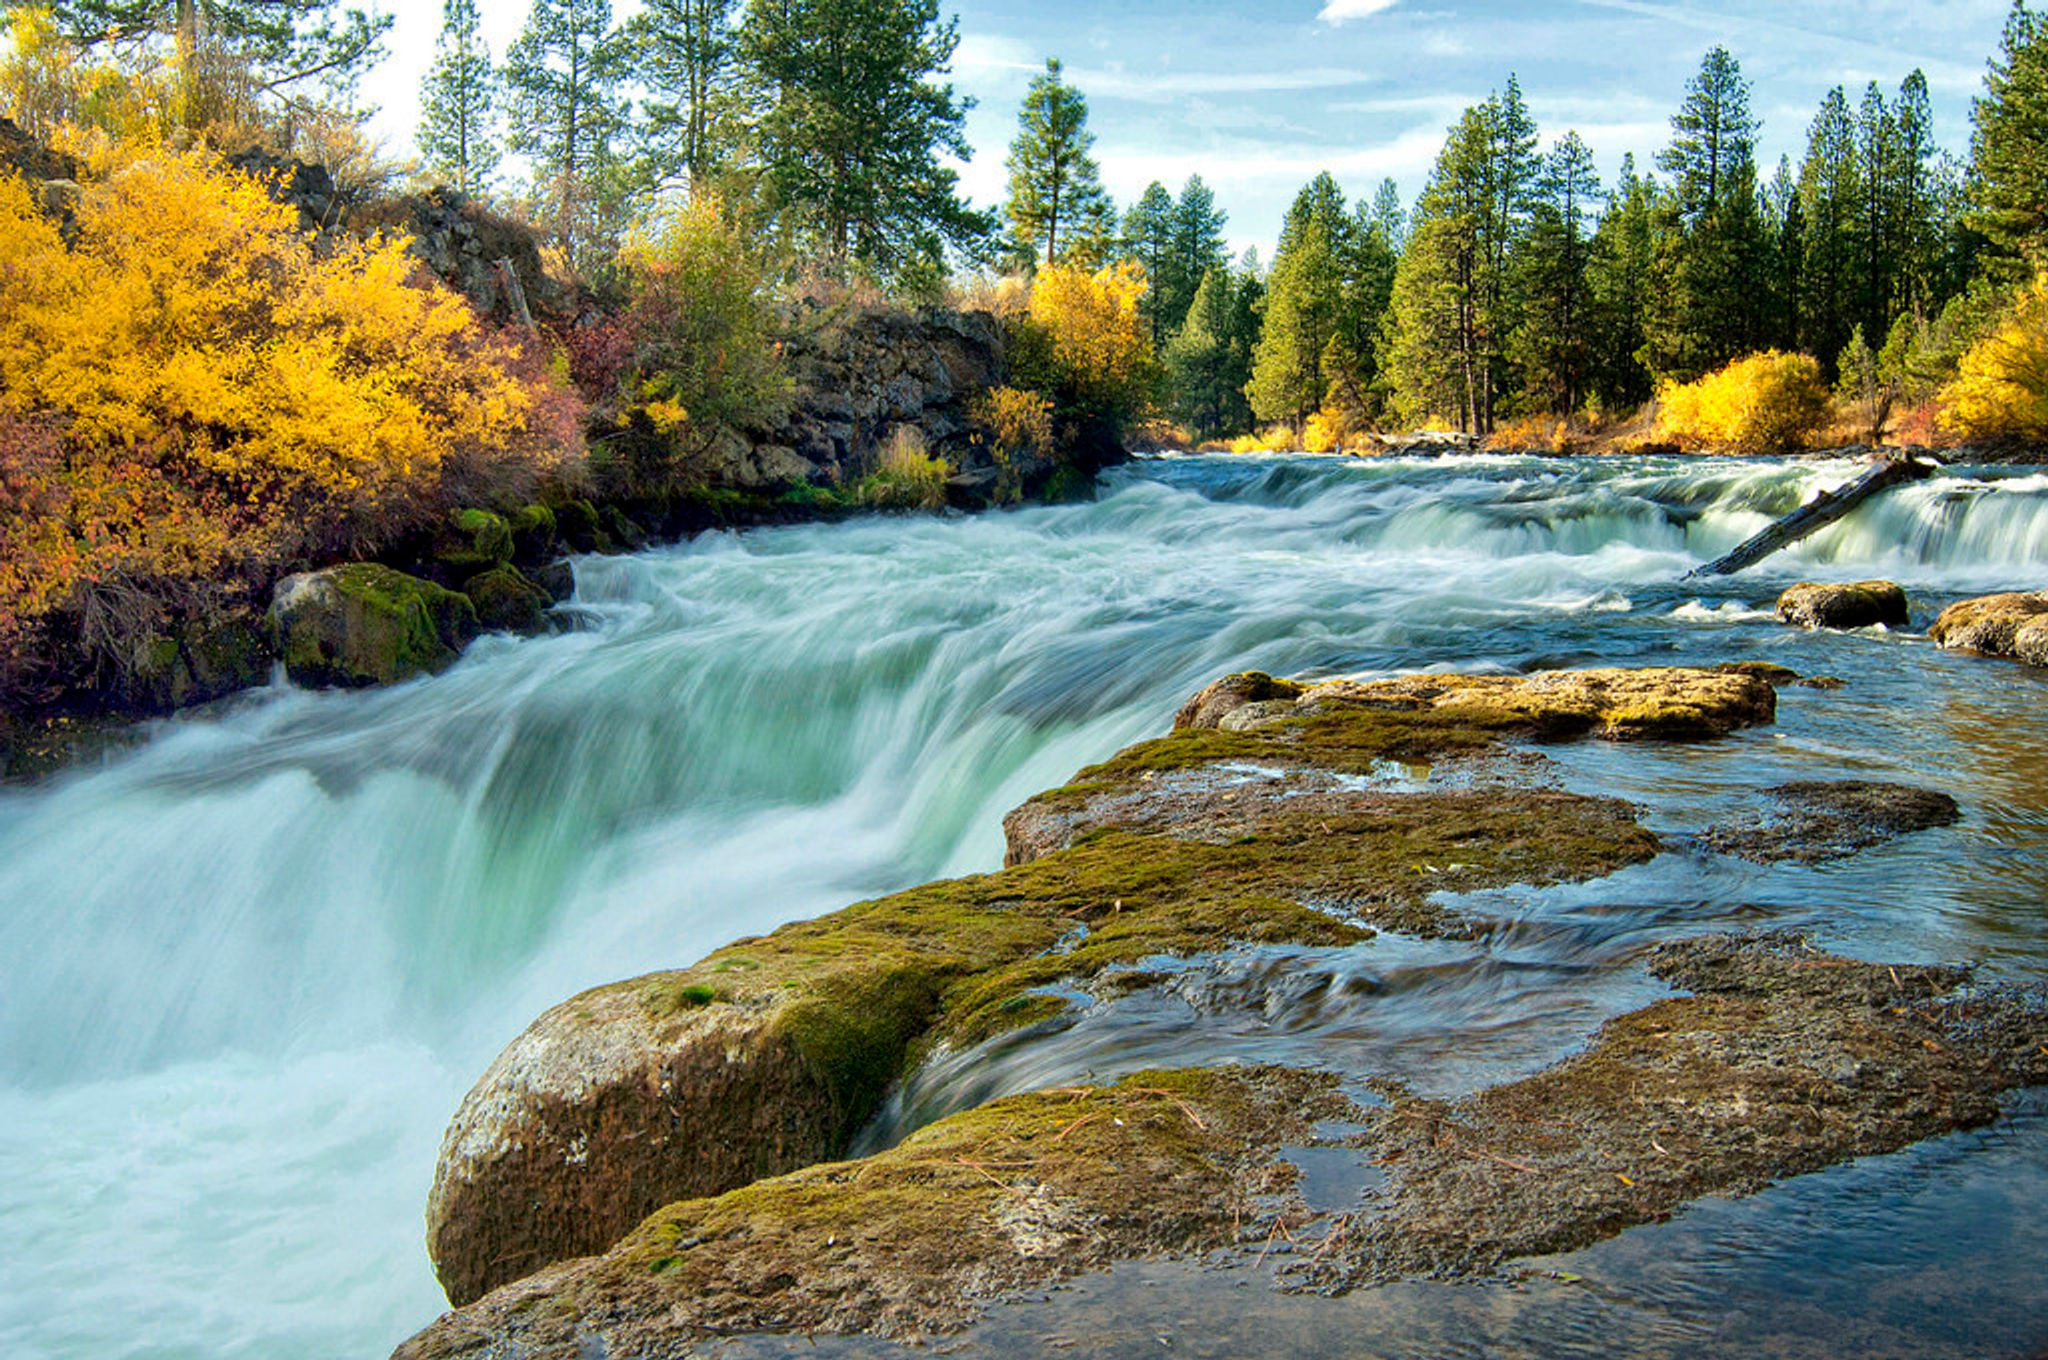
x=35, y=746
x=1778, y=1060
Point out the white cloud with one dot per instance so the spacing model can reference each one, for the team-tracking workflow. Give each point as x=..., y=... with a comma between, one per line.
x=1339, y=11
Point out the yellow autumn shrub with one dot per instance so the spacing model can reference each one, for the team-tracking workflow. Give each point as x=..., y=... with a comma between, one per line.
x=1082, y=342
x=2000, y=389
x=1765, y=403
x=223, y=402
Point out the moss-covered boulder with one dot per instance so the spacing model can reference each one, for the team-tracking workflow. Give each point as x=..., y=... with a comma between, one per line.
x=1160, y=851
x=474, y=541
x=364, y=624
x=2013, y=626
x=1863, y=604
x=201, y=661
x=1781, y=1060
x=534, y=536
x=577, y=524
x=506, y=601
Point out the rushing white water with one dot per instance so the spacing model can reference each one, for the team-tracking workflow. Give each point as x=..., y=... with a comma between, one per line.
x=249, y=968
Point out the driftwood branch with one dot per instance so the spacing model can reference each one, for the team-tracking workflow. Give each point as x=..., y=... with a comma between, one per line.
x=1817, y=514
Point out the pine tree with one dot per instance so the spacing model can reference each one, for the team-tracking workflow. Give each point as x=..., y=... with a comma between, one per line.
x=1149, y=239
x=458, y=103
x=1713, y=145
x=1709, y=285
x=2010, y=148
x=1435, y=345
x=856, y=124
x=1389, y=216
x=562, y=76
x=1055, y=185
x=1831, y=198
x=1618, y=265
x=1913, y=214
x=1198, y=247
x=1785, y=220
x=686, y=55
x=1554, y=343
x=1304, y=299
x=1205, y=372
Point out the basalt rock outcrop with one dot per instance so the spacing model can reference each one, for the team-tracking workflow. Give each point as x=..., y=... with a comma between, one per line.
x=772, y=1053
x=1863, y=604
x=631, y=1113
x=2014, y=626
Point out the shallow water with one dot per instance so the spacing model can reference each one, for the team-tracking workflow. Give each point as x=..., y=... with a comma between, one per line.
x=249, y=969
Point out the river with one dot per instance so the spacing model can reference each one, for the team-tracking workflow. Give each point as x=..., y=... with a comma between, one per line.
x=250, y=967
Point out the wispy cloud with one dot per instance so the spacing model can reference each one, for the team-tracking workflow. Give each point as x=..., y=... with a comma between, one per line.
x=1115, y=82
x=1341, y=11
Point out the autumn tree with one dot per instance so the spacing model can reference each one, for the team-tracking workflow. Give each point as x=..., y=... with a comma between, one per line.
x=1055, y=185
x=562, y=75
x=458, y=103
x=856, y=124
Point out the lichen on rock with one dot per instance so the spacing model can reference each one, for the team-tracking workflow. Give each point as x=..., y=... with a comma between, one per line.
x=2013, y=626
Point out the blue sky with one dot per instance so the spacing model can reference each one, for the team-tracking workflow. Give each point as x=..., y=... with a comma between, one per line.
x=1257, y=98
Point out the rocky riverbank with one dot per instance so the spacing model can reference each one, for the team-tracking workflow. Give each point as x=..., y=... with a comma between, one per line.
x=650, y=1165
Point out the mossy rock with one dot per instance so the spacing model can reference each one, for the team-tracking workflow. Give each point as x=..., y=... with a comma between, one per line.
x=203, y=661
x=507, y=602
x=533, y=535
x=576, y=523
x=474, y=541
x=365, y=624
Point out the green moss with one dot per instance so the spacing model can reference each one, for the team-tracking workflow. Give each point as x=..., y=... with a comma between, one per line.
x=392, y=626
x=576, y=522
x=507, y=601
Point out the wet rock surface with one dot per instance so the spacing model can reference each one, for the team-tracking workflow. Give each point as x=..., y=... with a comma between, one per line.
x=1297, y=815
x=1863, y=604
x=2014, y=626
x=1784, y=1059
x=1813, y=822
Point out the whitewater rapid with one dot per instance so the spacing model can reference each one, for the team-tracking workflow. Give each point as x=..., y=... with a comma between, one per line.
x=250, y=967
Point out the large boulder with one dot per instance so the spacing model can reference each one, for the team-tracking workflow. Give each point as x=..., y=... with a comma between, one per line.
x=1862, y=604
x=2014, y=626
x=363, y=624
x=610, y=1106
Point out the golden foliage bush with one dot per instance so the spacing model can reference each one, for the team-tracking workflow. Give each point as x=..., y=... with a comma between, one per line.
x=1275, y=439
x=1082, y=342
x=223, y=403
x=2001, y=386
x=1766, y=403
x=1017, y=421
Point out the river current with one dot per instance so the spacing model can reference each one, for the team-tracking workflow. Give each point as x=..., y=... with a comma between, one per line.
x=248, y=968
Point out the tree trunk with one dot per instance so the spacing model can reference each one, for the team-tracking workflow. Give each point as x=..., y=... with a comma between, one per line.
x=1817, y=514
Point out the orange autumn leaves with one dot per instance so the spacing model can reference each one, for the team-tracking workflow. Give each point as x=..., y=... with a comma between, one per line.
x=188, y=393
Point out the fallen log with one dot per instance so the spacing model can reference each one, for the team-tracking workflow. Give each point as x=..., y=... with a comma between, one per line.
x=1817, y=514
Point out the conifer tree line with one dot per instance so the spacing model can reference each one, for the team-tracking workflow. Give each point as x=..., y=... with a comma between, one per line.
x=831, y=115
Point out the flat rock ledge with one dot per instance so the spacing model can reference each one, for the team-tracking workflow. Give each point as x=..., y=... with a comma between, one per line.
x=1781, y=1060
x=1863, y=604
x=772, y=1053
x=2014, y=626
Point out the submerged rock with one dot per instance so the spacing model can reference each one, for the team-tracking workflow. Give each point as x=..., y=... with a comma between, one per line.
x=1813, y=822
x=1861, y=605
x=2013, y=626
x=365, y=624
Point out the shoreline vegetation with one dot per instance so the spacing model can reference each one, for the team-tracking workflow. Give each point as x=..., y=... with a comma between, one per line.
x=738, y=286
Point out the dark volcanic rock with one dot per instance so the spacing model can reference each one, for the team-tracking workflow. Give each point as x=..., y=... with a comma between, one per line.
x=1812, y=822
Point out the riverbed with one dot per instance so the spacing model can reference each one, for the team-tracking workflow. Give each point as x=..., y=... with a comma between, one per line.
x=251, y=966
